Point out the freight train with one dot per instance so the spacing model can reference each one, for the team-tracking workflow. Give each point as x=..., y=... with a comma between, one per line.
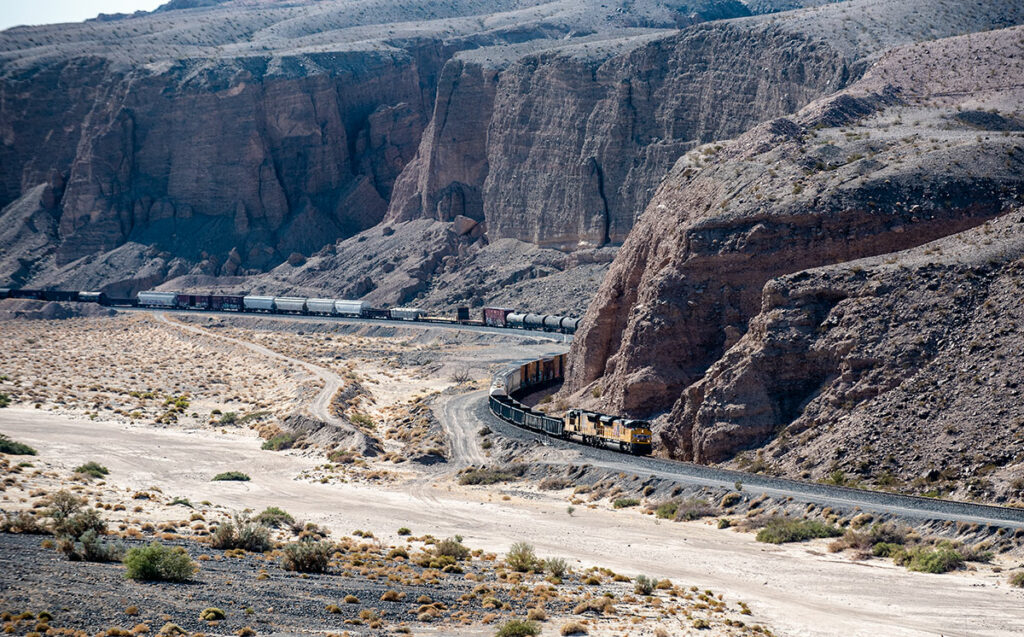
x=490, y=316
x=590, y=428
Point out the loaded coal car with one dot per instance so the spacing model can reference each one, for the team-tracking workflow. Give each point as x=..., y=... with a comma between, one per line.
x=5, y=293
x=36, y=295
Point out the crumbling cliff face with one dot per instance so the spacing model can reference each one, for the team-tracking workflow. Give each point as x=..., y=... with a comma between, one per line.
x=924, y=147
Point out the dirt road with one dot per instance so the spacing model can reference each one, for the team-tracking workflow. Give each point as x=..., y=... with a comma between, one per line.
x=797, y=589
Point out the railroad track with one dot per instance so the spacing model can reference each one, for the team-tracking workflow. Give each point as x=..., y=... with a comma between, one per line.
x=476, y=405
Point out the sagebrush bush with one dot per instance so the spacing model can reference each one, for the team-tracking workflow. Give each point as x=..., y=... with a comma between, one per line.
x=643, y=585
x=242, y=533
x=693, y=509
x=492, y=476
x=232, y=475
x=90, y=548
x=280, y=442
x=157, y=562
x=623, y=503
x=92, y=469
x=80, y=523
x=924, y=559
x=1017, y=579
x=573, y=628
x=518, y=628
x=14, y=448
x=211, y=614
x=274, y=517
x=22, y=522
x=520, y=557
x=306, y=557
x=451, y=547
x=779, y=530
x=557, y=566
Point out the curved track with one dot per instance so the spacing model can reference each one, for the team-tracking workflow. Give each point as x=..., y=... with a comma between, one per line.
x=700, y=475
x=462, y=416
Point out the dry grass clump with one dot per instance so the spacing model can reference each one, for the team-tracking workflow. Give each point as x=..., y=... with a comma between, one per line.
x=573, y=628
x=601, y=605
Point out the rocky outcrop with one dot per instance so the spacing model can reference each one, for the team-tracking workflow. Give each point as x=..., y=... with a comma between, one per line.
x=900, y=370
x=848, y=177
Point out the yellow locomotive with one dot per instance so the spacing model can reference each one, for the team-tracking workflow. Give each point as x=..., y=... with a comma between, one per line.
x=599, y=430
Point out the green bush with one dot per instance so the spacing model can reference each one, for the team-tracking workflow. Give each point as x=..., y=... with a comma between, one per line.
x=520, y=557
x=232, y=475
x=93, y=469
x=1017, y=579
x=451, y=547
x=274, y=517
x=230, y=418
x=404, y=531
x=159, y=563
x=306, y=557
x=14, y=448
x=280, y=442
x=80, y=523
x=5, y=400
x=242, y=533
x=939, y=559
x=90, y=548
x=667, y=510
x=22, y=522
x=781, y=530
x=693, y=509
x=556, y=566
x=518, y=628
x=643, y=585
x=886, y=549
x=486, y=476
x=211, y=614
x=622, y=503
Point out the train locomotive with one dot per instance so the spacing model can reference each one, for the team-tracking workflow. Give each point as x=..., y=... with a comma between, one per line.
x=590, y=428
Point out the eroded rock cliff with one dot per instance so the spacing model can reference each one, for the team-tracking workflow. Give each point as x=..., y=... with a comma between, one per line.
x=923, y=147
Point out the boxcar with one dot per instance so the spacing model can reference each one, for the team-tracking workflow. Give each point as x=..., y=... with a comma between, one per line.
x=495, y=316
x=227, y=303
x=193, y=301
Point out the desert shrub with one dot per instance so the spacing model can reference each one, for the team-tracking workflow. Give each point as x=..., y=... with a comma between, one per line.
x=229, y=418
x=451, y=547
x=520, y=557
x=1017, y=579
x=79, y=523
x=595, y=605
x=211, y=614
x=667, y=510
x=643, y=585
x=404, y=531
x=5, y=401
x=622, y=503
x=938, y=559
x=974, y=553
x=518, y=628
x=486, y=476
x=274, y=517
x=730, y=500
x=242, y=533
x=90, y=548
x=554, y=483
x=886, y=549
x=693, y=509
x=22, y=522
x=573, y=628
x=556, y=566
x=92, y=469
x=887, y=533
x=157, y=562
x=280, y=442
x=171, y=630
x=536, y=614
x=15, y=448
x=779, y=530
x=232, y=475
x=306, y=557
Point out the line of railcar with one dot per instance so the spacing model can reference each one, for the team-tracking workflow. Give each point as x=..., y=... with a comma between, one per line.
x=489, y=316
x=589, y=427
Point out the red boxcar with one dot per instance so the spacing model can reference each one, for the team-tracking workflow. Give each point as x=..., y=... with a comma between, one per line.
x=495, y=316
x=229, y=303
